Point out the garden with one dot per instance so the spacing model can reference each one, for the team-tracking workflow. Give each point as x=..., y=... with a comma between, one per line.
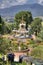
x=36, y=28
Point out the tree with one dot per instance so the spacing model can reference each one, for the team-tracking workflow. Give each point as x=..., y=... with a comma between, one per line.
x=27, y=17
x=3, y=27
x=0, y=24
x=36, y=25
x=40, y=35
x=0, y=28
x=9, y=27
x=0, y=19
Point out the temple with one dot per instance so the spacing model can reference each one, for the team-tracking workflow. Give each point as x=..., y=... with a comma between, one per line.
x=21, y=32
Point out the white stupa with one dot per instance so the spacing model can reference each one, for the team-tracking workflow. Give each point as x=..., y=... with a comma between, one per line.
x=21, y=32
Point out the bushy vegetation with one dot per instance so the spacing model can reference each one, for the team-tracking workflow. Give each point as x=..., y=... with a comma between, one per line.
x=35, y=24
x=40, y=35
x=4, y=45
x=38, y=52
x=13, y=63
x=5, y=27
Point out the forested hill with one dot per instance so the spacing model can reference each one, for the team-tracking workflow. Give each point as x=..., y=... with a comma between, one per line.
x=36, y=9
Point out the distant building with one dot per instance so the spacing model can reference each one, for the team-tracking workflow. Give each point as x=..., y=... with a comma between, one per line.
x=8, y=19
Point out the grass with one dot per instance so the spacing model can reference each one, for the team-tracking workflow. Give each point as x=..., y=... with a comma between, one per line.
x=38, y=52
x=8, y=63
x=0, y=55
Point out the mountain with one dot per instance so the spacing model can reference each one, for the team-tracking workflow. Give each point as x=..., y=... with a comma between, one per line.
x=36, y=10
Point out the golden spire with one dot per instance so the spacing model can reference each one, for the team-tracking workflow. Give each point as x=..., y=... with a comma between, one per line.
x=22, y=21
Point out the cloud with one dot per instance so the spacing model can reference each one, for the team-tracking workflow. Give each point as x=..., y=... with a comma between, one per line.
x=32, y=1
x=9, y=3
x=21, y=1
x=40, y=2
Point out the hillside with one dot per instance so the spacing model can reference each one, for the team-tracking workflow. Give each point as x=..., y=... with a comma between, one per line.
x=36, y=9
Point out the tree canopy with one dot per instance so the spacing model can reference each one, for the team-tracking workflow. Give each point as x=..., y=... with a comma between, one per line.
x=27, y=17
x=36, y=25
x=5, y=27
x=0, y=19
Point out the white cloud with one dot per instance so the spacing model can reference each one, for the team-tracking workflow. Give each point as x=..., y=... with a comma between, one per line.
x=8, y=3
x=21, y=1
x=40, y=2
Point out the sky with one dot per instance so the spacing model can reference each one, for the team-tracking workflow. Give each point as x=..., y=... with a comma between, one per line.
x=9, y=3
